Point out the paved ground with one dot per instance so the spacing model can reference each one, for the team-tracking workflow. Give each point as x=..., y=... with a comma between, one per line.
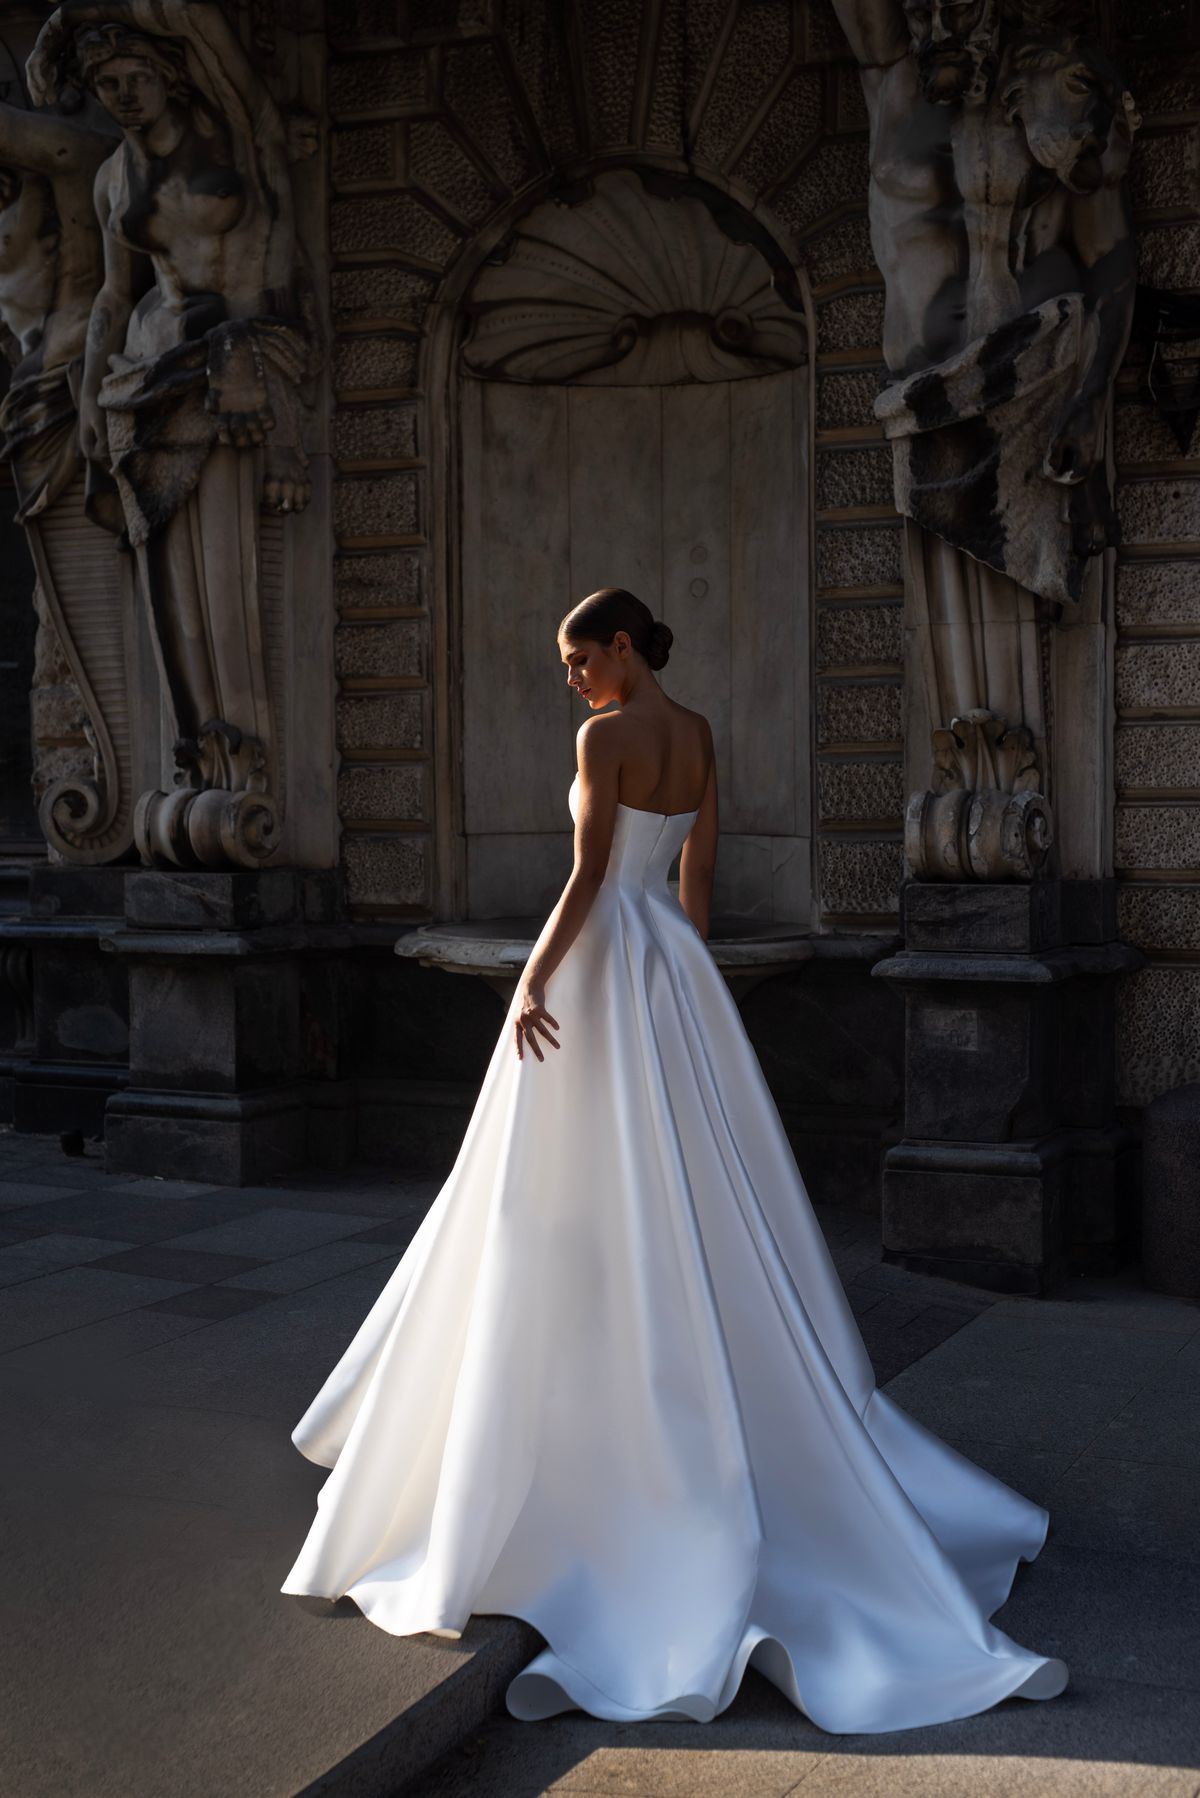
x=159, y=1339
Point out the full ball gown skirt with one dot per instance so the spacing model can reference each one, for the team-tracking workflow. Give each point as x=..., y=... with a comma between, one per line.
x=614, y=1387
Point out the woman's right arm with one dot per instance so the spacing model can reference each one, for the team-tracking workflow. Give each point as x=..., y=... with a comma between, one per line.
x=698, y=862
x=111, y=310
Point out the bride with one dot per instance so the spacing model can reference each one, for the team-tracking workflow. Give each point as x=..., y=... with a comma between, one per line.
x=614, y=1386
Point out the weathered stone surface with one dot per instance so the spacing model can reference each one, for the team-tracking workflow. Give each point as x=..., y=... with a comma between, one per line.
x=835, y=175
x=387, y=873
x=365, y=295
x=754, y=56
x=1158, y=1019
x=381, y=505
x=1159, y=511
x=860, y=879
x=364, y=153
x=1160, y=916
x=1143, y=434
x=1157, y=593
x=610, y=38
x=840, y=251
x=365, y=21
x=1162, y=84
x=389, y=83
x=441, y=168
x=181, y=899
x=1150, y=675
x=370, y=363
x=391, y=579
x=474, y=84
x=381, y=721
x=1168, y=255
x=851, y=321
x=537, y=53
x=860, y=790
x=58, y=715
x=397, y=222
x=994, y=1229
x=374, y=433
x=858, y=634
x=793, y=122
x=1170, y=1198
x=388, y=649
x=1158, y=755
x=868, y=556
x=845, y=397
x=390, y=790
x=854, y=477
x=858, y=714
x=1158, y=836
x=1163, y=171
x=850, y=101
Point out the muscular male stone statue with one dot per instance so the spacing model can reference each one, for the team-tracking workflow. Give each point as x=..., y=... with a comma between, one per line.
x=999, y=218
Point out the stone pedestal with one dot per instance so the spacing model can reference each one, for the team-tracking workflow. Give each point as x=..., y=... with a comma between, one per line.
x=1171, y=1193
x=70, y=1007
x=1012, y=1167
x=221, y=1030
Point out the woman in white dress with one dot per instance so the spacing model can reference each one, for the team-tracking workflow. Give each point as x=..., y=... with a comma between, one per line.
x=614, y=1386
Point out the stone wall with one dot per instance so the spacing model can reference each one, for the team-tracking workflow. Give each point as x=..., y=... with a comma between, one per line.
x=450, y=117
x=1157, y=674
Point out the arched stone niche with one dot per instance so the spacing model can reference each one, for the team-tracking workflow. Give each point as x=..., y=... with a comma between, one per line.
x=631, y=399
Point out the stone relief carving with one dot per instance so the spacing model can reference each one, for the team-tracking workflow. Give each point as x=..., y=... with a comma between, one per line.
x=1000, y=141
x=984, y=818
x=623, y=287
x=51, y=264
x=200, y=345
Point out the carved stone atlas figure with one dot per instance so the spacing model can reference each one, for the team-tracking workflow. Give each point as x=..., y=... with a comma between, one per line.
x=199, y=346
x=1000, y=142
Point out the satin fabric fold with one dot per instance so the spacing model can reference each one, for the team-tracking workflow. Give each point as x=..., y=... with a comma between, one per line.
x=614, y=1387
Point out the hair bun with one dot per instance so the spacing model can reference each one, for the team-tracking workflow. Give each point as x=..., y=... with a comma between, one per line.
x=659, y=646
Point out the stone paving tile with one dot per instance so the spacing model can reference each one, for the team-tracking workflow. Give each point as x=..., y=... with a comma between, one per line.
x=270, y=1235
x=323, y=1263
x=1122, y=1361
x=20, y=1194
x=162, y=1189
x=46, y=1253
x=215, y=1302
x=112, y=1339
x=131, y=1218
x=163, y=1262
x=1129, y=1507
x=1162, y=1424
x=78, y=1295
x=1032, y=1473
x=1039, y=1414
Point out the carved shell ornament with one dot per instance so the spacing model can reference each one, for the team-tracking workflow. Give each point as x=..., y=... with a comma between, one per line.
x=628, y=288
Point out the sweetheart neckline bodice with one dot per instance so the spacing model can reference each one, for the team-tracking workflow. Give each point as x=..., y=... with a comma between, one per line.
x=643, y=811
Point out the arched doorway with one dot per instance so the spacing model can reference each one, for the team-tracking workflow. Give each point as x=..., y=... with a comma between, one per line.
x=633, y=410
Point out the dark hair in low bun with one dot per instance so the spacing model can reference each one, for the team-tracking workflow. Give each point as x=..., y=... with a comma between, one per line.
x=599, y=617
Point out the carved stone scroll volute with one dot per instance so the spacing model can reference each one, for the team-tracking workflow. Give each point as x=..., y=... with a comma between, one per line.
x=984, y=818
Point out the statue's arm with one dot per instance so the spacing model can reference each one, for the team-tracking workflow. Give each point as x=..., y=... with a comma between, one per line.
x=1106, y=255
x=42, y=144
x=107, y=325
x=875, y=31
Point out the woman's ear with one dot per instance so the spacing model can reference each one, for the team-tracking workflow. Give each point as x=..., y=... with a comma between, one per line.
x=623, y=644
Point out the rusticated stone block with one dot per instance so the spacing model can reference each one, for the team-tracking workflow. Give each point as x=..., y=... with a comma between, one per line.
x=396, y=222
x=1170, y=1213
x=391, y=578
x=1162, y=511
x=364, y=295
x=860, y=879
x=388, y=649
x=1160, y=917
x=383, y=505
x=387, y=873
x=381, y=721
x=823, y=36
x=756, y=53
x=842, y=249
x=1168, y=255
x=1157, y=593
x=365, y=364
x=1158, y=755
x=476, y=87
x=1150, y=675
x=58, y=716
x=854, y=477
x=851, y=102
x=1158, y=1031
x=864, y=634
x=862, y=556
x=835, y=175
x=1158, y=836
x=851, y=321
x=1163, y=84
x=364, y=153
x=364, y=21
x=1163, y=170
x=393, y=790
x=610, y=48
x=437, y=164
x=858, y=714
x=1143, y=434
x=374, y=433
x=860, y=790
x=846, y=397
x=392, y=83
x=793, y=122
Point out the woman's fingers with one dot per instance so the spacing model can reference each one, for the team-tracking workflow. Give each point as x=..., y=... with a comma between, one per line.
x=528, y=1026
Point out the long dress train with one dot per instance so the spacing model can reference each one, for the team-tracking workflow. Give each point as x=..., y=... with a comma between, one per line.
x=614, y=1387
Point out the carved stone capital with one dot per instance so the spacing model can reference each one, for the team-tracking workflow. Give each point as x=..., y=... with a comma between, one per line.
x=980, y=750
x=986, y=834
x=220, y=813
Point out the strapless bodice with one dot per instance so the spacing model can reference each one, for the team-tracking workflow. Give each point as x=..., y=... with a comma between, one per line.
x=644, y=844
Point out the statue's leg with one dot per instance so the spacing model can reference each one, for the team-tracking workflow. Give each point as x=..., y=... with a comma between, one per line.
x=175, y=576
x=227, y=530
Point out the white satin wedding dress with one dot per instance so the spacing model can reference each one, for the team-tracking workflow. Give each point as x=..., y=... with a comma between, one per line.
x=614, y=1387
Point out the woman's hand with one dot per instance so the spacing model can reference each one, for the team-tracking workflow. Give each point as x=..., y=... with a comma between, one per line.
x=533, y=1021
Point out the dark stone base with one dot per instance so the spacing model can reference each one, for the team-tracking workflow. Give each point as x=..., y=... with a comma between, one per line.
x=1171, y=1214
x=228, y=1140
x=417, y=1124
x=52, y=1101
x=989, y=1215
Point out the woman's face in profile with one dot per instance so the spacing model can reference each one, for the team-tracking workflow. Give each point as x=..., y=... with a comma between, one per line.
x=595, y=670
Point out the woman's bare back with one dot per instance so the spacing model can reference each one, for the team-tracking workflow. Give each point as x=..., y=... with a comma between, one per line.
x=666, y=757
